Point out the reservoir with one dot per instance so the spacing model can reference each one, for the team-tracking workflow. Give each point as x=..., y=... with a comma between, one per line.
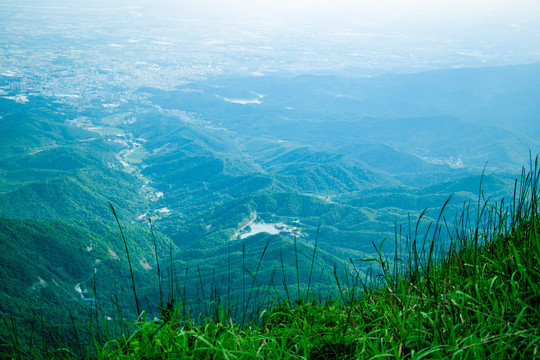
x=259, y=228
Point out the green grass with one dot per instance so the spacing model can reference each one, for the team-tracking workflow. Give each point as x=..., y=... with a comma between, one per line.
x=474, y=295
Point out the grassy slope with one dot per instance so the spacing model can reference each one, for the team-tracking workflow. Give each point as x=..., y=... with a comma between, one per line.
x=478, y=300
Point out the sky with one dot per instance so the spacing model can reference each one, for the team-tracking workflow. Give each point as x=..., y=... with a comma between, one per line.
x=454, y=8
x=444, y=16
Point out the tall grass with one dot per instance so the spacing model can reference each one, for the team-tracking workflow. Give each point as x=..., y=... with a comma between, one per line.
x=466, y=287
x=136, y=298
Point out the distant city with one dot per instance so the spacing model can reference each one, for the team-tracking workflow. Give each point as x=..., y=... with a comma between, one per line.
x=87, y=55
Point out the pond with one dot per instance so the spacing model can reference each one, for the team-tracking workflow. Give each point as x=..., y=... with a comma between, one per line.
x=259, y=228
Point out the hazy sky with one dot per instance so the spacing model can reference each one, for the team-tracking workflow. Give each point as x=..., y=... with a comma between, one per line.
x=414, y=34
x=382, y=6
x=445, y=8
x=395, y=15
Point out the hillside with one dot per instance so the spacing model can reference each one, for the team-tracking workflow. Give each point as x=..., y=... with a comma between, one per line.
x=268, y=179
x=477, y=298
x=192, y=171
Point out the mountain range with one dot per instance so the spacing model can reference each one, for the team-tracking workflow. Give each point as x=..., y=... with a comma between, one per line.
x=347, y=161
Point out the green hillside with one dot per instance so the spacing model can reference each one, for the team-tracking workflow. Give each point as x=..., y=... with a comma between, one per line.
x=45, y=261
x=476, y=299
x=350, y=175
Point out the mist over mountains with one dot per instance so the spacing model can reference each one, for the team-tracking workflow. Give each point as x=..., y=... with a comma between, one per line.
x=205, y=160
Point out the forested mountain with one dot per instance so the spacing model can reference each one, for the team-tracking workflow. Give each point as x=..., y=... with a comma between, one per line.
x=336, y=163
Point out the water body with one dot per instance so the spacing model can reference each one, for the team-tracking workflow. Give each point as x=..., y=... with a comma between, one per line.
x=259, y=228
x=82, y=292
x=242, y=101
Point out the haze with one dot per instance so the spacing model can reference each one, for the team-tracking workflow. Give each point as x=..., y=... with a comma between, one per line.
x=478, y=32
x=254, y=37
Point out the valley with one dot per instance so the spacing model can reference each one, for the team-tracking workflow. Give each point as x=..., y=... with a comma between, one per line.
x=181, y=178
x=202, y=176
